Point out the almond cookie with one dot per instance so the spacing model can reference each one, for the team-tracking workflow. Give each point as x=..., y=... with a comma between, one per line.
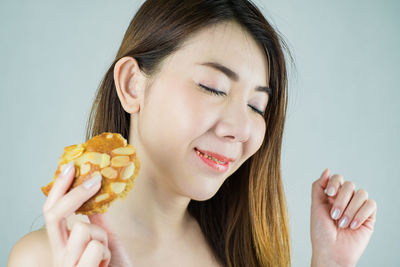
x=108, y=154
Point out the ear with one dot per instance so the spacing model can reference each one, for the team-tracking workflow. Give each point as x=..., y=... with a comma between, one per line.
x=129, y=83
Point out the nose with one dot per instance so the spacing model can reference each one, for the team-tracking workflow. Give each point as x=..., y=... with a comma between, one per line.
x=234, y=124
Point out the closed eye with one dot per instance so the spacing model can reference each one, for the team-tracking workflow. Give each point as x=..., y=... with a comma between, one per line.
x=213, y=91
x=220, y=93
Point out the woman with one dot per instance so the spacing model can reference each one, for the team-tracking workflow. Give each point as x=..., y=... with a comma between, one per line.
x=195, y=77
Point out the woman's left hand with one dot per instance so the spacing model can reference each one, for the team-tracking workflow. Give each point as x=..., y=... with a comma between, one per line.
x=335, y=207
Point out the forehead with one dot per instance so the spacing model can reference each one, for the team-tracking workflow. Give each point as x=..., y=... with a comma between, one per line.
x=229, y=44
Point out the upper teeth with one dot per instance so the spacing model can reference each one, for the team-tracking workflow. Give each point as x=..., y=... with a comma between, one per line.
x=209, y=157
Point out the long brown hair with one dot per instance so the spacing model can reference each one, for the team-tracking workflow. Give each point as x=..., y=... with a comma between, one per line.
x=246, y=221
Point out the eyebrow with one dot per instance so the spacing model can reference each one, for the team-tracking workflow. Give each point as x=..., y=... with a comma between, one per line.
x=233, y=75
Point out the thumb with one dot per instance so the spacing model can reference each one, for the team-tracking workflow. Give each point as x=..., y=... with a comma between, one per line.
x=320, y=185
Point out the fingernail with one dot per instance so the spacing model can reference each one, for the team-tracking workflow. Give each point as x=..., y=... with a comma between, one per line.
x=96, y=179
x=335, y=214
x=331, y=191
x=353, y=224
x=343, y=222
x=65, y=169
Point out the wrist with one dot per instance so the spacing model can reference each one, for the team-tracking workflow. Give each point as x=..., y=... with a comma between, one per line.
x=323, y=261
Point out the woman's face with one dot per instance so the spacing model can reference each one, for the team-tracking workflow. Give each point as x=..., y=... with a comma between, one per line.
x=179, y=115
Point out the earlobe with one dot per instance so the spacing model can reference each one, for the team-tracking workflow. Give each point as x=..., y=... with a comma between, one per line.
x=127, y=83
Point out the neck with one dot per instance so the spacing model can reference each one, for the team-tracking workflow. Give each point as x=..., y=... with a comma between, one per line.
x=150, y=210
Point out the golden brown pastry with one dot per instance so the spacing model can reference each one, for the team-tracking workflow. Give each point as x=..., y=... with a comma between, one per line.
x=109, y=154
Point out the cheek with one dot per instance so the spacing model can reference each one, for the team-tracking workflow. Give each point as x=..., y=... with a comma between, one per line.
x=191, y=115
x=175, y=115
x=256, y=139
x=258, y=136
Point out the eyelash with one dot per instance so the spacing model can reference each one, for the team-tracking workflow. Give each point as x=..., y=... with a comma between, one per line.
x=219, y=93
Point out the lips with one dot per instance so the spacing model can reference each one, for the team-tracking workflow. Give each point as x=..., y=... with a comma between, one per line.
x=221, y=158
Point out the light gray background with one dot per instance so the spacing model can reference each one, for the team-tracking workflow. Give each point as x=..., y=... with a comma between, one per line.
x=343, y=109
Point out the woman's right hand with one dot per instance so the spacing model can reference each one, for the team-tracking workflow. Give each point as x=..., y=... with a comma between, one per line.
x=87, y=243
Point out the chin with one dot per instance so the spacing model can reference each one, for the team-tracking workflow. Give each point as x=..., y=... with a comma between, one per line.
x=200, y=188
x=202, y=195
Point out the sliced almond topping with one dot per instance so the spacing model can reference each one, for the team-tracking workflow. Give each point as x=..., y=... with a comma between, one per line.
x=105, y=160
x=82, y=159
x=127, y=172
x=85, y=168
x=102, y=197
x=127, y=150
x=109, y=173
x=120, y=161
x=72, y=152
x=94, y=157
x=118, y=187
x=101, y=159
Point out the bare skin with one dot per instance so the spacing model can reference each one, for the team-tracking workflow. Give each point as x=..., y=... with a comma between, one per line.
x=152, y=224
x=152, y=227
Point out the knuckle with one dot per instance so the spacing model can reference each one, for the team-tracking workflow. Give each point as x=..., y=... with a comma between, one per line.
x=45, y=207
x=105, y=236
x=81, y=227
x=96, y=245
x=101, y=232
x=349, y=184
x=337, y=177
x=362, y=193
x=371, y=203
x=333, y=176
x=50, y=217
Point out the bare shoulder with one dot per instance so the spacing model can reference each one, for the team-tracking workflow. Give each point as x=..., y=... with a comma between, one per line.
x=33, y=249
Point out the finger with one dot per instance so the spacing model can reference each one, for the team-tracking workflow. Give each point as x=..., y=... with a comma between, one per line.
x=64, y=230
x=324, y=178
x=343, y=197
x=319, y=185
x=94, y=253
x=106, y=259
x=355, y=204
x=366, y=215
x=100, y=220
x=114, y=243
x=65, y=207
x=76, y=197
x=334, y=184
x=80, y=236
x=60, y=186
